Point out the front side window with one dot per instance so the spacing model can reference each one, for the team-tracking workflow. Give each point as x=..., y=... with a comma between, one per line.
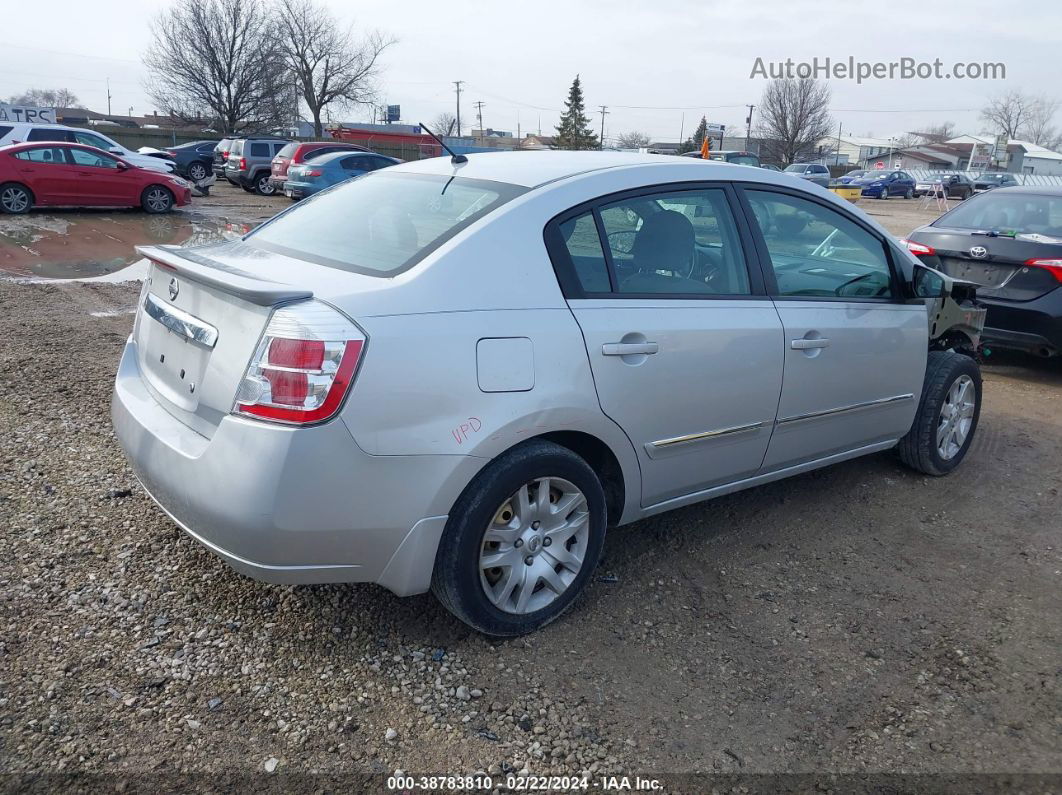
x=818, y=252
x=88, y=139
x=44, y=154
x=676, y=242
x=382, y=223
x=83, y=157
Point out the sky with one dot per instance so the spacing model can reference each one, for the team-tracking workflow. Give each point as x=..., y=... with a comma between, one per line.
x=657, y=67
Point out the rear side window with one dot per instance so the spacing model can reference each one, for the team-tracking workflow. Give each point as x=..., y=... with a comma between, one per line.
x=49, y=134
x=584, y=248
x=382, y=223
x=259, y=150
x=44, y=154
x=4, y=130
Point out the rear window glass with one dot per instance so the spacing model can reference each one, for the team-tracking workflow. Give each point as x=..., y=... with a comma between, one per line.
x=1008, y=214
x=382, y=223
x=287, y=151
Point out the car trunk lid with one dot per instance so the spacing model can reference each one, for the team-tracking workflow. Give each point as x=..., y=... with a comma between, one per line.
x=996, y=262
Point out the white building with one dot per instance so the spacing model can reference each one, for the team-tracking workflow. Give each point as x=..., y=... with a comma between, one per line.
x=1023, y=157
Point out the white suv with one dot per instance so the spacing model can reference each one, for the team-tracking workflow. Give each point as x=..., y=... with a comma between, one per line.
x=23, y=132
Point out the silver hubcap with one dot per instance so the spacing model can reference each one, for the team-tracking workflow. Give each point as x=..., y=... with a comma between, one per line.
x=956, y=417
x=157, y=199
x=197, y=172
x=265, y=186
x=14, y=200
x=535, y=545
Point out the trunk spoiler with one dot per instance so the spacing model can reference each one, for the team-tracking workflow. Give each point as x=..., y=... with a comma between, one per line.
x=217, y=274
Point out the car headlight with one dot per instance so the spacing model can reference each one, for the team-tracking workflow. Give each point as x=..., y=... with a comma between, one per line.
x=179, y=182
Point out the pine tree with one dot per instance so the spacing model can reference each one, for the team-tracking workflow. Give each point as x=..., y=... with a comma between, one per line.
x=701, y=133
x=574, y=130
x=687, y=146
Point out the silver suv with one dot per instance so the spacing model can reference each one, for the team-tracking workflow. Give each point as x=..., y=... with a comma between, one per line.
x=249, y=163
x=455, y=376
x=812, y=172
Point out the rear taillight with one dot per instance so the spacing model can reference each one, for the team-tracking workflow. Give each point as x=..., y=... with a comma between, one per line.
x=917, y=248
x=312, y=172
x=243, y=164
x=1054, y=266
x=303, y=366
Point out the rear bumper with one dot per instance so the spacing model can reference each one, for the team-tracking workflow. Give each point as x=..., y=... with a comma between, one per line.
x=299, y=190
x=1034, y=326
x=290, y=505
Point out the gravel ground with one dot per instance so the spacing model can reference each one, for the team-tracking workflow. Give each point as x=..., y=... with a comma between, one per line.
x=856, y=619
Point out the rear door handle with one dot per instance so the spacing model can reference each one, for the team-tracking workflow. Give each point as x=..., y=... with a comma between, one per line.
x=628, y=348
x=806, y=344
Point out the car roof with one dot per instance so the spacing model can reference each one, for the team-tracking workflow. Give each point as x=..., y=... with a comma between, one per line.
x=535, y=168
x=1041, y=190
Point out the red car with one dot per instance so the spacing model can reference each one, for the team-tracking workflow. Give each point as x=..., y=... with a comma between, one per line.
x=295, y=153
x=49, y=173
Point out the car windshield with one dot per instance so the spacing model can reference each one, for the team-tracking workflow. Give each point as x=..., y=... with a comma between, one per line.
x=1008, y=214
x=744, y=160
x=382, y=223
x=797, y=168
x=990, y=178
x=874, y=175
x=855, y=174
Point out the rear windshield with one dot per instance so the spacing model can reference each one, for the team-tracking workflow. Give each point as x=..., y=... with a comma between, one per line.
x=287, y=151
x=1008, y=214
x=382, y=223
x=743, y=160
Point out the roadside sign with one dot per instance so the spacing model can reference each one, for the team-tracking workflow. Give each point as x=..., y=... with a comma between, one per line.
x=24, y=113
x=980, y=156
x=394, y=113
x=716, y=128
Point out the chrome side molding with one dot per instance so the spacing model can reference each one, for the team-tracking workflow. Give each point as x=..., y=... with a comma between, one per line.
x=180, y=322
x=699, y=437
x=870, y=404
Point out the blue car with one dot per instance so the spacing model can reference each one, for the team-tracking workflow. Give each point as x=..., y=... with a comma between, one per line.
x=318, y=173
x=852, y=176
x=883, y=184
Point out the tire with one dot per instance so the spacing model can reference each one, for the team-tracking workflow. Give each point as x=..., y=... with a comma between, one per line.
x=249, y=190
x=156, y=199
x=461, y=582
x=263, y=186
x=15, y=199
x=884, y=194
x=197, y=172
x=909, y=194
x=920, y=449
x=966, y=195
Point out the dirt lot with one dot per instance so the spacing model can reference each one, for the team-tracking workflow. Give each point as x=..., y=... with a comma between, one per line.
x=858, y=619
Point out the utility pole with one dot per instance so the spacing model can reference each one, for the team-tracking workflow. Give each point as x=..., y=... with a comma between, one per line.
x=601, y=141
x=108, y=96
x=837, y=153
x=682, y=129
x=479, y=115
x=458, y=83
x=748, y=126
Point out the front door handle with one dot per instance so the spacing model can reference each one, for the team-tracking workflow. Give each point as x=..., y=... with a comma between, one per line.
x=806, y=344
x=628, y=348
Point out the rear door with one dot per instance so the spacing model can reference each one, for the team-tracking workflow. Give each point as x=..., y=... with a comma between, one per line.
x=47, y=174
x=685, y=347
x=855, y=350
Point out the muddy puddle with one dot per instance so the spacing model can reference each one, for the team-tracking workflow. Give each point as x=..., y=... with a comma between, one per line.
x=87, y=245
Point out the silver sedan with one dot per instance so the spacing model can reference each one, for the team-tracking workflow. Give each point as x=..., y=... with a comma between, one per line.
x=455, y=375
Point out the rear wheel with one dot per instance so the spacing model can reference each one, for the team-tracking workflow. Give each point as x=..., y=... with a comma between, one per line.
x=197, y=172
x=522, y=540
x=156, y=199
x=263, y=187
x=947, y=414
x=15, y=199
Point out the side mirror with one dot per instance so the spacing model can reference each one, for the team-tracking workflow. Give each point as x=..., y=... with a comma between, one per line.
x=928, y=283
x=122, y=165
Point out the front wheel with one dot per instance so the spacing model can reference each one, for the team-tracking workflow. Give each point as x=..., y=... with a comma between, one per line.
x=264, y=187
x=156, y=199
x=522, y=540
x=884, y=193
x=947, y=414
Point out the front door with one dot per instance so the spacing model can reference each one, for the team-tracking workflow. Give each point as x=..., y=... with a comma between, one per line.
x=685, y=348
x=102, y=183
x=855, y=351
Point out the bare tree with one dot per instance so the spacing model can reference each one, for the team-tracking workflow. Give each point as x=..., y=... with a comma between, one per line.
x=328, y=64
x=794, y=117
x=218, y=58
x=1007, y=113
x=1039, y=124
x=937, y=133
x=47, y=98
x=632, y=140
x=444, y=124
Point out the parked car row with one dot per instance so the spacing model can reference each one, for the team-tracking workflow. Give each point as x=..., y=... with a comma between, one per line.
x=22, y=132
